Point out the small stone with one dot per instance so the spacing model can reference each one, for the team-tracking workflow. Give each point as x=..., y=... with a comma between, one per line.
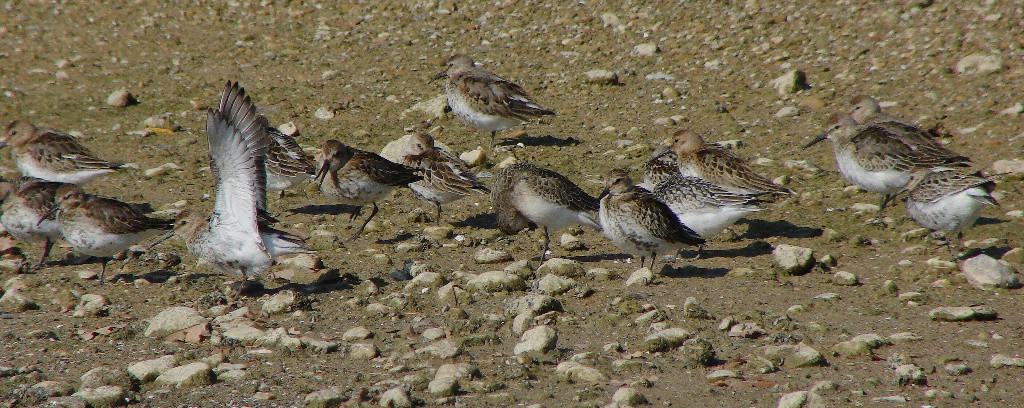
x=801, y=399
x=800, y=355
x=534, y=304
x=91, y=305
x=903, y=337
x=850, y=349
x=431, y=108
x=897, y=399
x=562, y=267
x=244, y=334
x=438, y=232
x=793, y=260
x=281, y=302
x=496, y=281
x=49, y=389
x=105, y=396
x=910, y=374
x=640, y=277
x=105, y=375
x=491, y=256
x=1000, y=361
x=987, y=273
x=1011, y=166
x=173, y=319
x=15, y=301
x=963, y=313
x=957, y=369
x=160, y=120
x=121, y=98
x=187, y=376
x=148, y=370
x=628, y=396
x=555, y=285
x=325, y=398
x=302, y=261
x=425, y=280
x=666, y=339
x=161, y=170
x=790, y=82
x=978, y=64
x=1014, y=110
x=872, y=340
x=446, y=379
x=936, y=393
x=646, y=49
x=441, y=349
x=539, y=339
x=600, y=77
x=746, y=330
x=692, y=309
x=473, y=157
x=576, y=372
x=787, y=111
x=395, y=398
x=941, y=264
x=571, y=242
x=843, y=278
x=722, y=375
x=356, y=333
x=363, y=351
x=324, y=113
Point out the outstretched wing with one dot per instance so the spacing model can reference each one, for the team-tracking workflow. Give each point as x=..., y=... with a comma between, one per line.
x=238, y=147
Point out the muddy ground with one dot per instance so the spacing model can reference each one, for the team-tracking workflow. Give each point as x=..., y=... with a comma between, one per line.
x=366, y=63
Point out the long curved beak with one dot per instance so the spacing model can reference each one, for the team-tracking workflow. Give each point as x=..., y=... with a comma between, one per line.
x=440, y=75
x=604, y=193
x=161, y=239
x=816, y=140
x=49, y=214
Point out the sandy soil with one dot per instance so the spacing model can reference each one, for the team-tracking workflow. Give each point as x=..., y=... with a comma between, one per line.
x=368, y=62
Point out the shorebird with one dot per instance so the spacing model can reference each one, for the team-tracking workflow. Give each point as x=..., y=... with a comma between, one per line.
x=99, y=226
x=697, y=158
x=52, y=155
x=662, y=165
x=947, y=199
x=702, y=206
x=635, y=220
x=526, y=195
x=28, y=202
x=238, y=237
x=484, y=100
x=358, y=177
x=286, y=163
x=446, y=177
x=880, y=158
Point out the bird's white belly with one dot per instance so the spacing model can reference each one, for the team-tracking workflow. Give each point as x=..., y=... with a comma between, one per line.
x=884, y=182
x=32, y=168
x=952, y=213
x=237, y=253
x=553, y=216
x=355, y=191
x=709, y=222
x=23, y=224
x=465, y=110
x=630, y=235
x=95, y=242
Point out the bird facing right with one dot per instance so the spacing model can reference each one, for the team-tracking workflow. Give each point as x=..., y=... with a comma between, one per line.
x=526, y=195
x=484, y=100
x=446, y=178
x=358, y=177
x=636, y=221
x=52, y=155
x=947, y=199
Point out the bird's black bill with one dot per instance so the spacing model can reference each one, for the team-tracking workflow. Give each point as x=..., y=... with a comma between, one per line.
x=816, y=140
x=49, y=215
x=321, y=174
x=438, y=76
x=161, y=239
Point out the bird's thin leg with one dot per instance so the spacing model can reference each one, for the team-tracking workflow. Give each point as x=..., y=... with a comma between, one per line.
x=643, y=261
x=885, y=201
x=438, y=212
x=700, y=248
x=360, y=229
x=355, y=214
x=46, y=253
x=493, y=133
x=280, y=195
x=103, y=269
x=544, y=245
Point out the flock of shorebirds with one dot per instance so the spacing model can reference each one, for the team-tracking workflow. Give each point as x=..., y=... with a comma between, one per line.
x=691, y=190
